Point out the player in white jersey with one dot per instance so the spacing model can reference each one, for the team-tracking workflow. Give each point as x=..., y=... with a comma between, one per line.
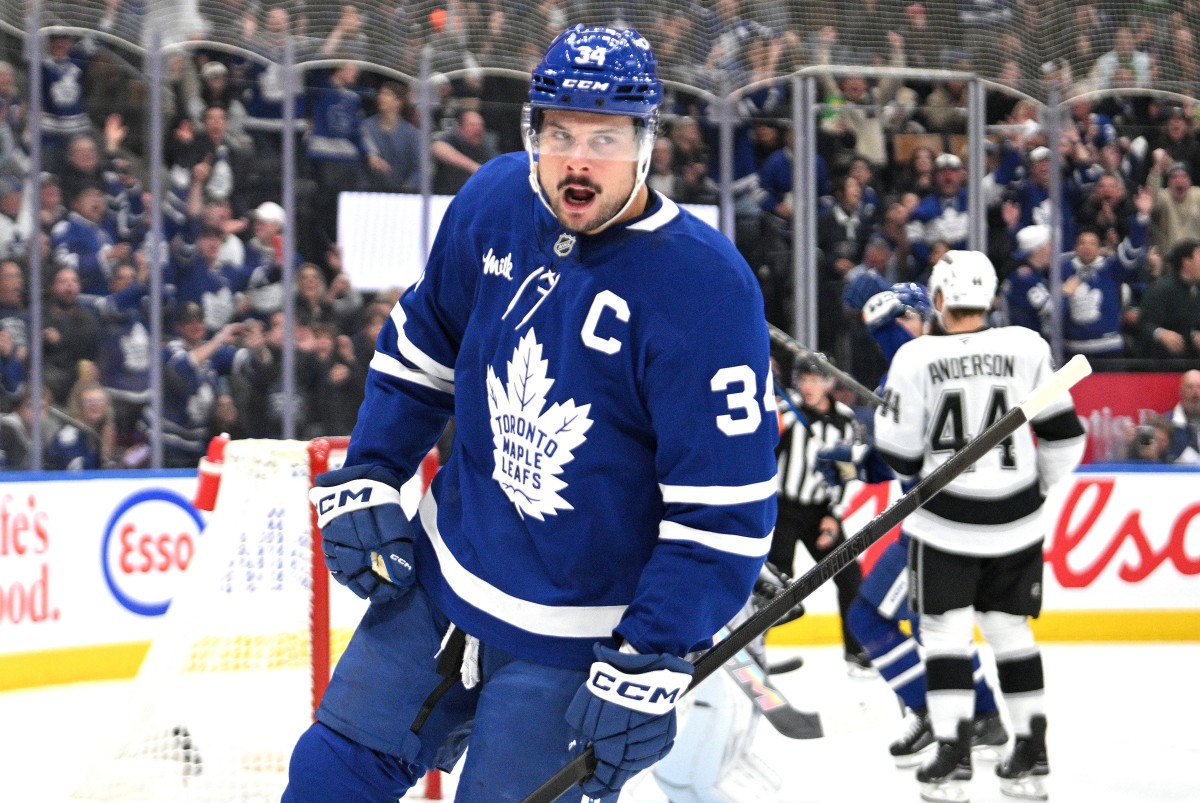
x=976, y=548
x=610, y=495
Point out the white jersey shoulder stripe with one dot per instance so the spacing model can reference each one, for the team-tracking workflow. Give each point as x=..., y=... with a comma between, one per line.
x=722, y=542
x=413, y=354
x=665, y=214
x=389, y=365
x=558, y=621
x=718, y=494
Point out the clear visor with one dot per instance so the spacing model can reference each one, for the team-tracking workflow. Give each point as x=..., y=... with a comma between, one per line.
x=595, y=138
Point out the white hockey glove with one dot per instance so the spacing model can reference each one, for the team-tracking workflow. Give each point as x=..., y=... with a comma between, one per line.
x=367, y=539
x=626, y=710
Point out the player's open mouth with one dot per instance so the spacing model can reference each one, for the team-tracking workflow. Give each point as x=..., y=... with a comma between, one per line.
x=577, y=197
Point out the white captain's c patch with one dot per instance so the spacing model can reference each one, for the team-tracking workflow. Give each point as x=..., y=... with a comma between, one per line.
x=531, y=442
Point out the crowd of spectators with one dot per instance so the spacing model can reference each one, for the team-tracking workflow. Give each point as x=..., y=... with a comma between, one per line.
x=891, y=188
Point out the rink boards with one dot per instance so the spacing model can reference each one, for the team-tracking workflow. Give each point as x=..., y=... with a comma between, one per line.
x=88, y=564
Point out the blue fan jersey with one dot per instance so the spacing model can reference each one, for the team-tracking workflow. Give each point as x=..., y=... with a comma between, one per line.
x=613, y=470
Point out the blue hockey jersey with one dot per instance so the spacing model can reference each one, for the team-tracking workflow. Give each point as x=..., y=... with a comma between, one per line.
x=123, y=351
x=1092, y=314
x=64, y=113
x=190, y=392
x=613, y=469
x=936, y=218
x=83, y=245
x=1026, y=299
x=337, y=118
x=265, y=95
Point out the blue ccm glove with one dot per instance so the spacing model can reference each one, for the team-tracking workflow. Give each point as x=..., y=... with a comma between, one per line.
x=869, y=465
x=366, y=537
x=626, y=709
x=883, y=308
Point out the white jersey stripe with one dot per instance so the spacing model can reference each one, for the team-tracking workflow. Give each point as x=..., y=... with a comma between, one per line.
x=907, y=676
x=665, y=214
x=722, y=542
x=718, y=494
x=389, y=365
x=413, y=354
x=558, y=621
x=895, y=654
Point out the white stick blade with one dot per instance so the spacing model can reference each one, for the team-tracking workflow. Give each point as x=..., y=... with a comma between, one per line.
x=1060, y=382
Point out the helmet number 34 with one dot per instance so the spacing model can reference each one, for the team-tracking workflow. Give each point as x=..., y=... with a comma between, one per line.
x=591, y=55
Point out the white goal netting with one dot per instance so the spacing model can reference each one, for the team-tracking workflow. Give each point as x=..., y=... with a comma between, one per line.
x=227, y=688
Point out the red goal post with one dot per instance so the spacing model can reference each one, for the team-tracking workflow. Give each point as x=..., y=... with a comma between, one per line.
x=325, y=454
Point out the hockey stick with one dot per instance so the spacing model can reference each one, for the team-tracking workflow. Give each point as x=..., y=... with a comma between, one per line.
x=755, y=683
x=1063, y=379
x=788, y=343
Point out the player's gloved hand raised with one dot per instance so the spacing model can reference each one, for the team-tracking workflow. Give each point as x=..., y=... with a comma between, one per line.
x=626, y=710
x=366, y=537
x=882, y=308
x=885, y=307
x=915, y=297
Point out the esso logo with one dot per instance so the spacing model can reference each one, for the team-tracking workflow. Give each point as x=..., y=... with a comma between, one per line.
x=148, y=542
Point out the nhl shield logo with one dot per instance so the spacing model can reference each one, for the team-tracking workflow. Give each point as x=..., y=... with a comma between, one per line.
x=566, y=242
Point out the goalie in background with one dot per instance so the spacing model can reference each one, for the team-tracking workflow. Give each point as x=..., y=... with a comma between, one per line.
x=608, y=501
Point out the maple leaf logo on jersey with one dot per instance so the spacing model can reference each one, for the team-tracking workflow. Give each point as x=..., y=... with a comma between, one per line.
x=532, y=443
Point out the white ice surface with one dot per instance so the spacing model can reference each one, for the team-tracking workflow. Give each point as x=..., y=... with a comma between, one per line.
x=1124, y=728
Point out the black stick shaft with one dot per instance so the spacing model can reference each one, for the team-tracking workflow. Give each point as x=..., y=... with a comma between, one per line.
x=783, y=339
x=584, y=764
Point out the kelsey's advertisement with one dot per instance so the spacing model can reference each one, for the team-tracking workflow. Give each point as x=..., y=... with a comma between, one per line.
x=91, y=561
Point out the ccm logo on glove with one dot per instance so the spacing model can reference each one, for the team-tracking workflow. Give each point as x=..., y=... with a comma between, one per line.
x=351, y=496
x=380, y=567
x=649, y=692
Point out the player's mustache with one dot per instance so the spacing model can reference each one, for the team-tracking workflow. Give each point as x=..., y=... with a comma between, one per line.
x=585, y=183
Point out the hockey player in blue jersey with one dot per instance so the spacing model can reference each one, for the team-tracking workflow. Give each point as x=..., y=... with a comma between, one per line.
x=894, y=317
x=610, y=496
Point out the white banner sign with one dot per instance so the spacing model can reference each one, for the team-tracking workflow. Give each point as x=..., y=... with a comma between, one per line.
x=380, y=235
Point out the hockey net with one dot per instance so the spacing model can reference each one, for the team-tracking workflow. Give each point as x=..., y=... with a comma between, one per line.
x=246, y=647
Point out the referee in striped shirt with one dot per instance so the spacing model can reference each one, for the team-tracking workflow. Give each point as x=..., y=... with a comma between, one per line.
x=807, y=500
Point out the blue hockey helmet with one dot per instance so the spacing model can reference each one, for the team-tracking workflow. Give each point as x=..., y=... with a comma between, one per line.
x=603, y=71
x=598, y=69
